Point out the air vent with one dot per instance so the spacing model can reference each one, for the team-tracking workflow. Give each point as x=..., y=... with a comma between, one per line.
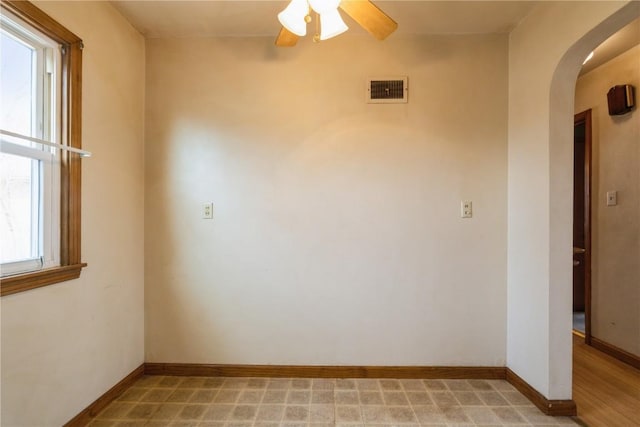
x=387, y=90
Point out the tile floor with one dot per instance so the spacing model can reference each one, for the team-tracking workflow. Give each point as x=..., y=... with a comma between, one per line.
x=230, y=402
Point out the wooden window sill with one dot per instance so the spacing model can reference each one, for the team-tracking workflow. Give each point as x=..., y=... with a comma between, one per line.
x=37, y=279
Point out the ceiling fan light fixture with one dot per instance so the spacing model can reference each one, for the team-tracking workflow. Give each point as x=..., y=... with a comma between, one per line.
x=322, y=6
x=293, y=17
x=328, y=22
x=331, y=24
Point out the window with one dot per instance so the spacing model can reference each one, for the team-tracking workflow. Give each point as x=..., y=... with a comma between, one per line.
x=40, y=79
x=29, y=172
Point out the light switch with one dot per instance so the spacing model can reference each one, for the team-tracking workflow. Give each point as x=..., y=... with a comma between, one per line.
x=207, y=210
x=466, y=209
x=612, y=198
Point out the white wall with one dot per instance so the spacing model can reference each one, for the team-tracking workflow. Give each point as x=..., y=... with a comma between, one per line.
x=545, y=54
x=616, y=229
x=337, y=236
x=65, y=345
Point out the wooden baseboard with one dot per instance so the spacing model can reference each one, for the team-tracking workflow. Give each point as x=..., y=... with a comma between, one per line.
x=295, y=371
x=84, y=417
x=549, y=407
x=618, y=353
x=565, y=408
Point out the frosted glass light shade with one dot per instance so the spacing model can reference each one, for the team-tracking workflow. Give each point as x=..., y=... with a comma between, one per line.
x=331, y=24
x=322, y=6
x=293, y=17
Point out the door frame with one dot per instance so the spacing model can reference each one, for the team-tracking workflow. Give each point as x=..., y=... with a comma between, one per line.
x=585, y=117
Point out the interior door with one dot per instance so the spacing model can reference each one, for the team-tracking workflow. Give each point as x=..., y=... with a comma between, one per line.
x=579, y=246
x=582, y=218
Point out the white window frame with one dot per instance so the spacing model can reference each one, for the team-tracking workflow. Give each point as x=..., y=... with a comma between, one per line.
x=46, y=126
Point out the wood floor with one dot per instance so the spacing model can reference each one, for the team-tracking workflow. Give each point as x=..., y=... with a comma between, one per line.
x=606, y=390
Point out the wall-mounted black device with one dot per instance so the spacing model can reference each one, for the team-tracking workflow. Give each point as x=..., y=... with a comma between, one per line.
x=621, y=100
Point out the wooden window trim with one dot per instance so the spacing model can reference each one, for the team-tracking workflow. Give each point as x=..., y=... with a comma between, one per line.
x=70, y=168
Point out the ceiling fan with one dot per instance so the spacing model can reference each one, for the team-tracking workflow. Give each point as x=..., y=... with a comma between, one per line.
x=295, y=17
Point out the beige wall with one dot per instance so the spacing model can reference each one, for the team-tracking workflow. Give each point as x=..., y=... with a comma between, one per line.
x=337, y=236
x=65, y=345
x=616, y=229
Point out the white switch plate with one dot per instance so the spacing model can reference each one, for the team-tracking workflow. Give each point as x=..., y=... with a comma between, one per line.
x=207, y=210
x=612, y=198
x=466, y=209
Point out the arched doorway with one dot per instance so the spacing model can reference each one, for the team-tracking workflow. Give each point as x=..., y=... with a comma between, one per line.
x=546, y=53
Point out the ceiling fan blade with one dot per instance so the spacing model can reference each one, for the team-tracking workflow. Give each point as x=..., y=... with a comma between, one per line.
x=286, y=38
x=370, y=17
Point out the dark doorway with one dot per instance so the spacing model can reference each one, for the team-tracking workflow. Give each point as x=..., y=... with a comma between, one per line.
x=582, y=224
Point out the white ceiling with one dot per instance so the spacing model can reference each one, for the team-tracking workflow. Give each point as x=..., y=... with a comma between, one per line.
x=160, y=19
x=241, y=18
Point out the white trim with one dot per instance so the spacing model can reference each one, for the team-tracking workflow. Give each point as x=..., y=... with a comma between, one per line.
x=17, y=267
x=37, y=212
x=50, y=196
x=82, y=153
x=24, y=151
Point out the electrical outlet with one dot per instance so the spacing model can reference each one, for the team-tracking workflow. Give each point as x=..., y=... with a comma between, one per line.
x=207, y=210
x=466, y=209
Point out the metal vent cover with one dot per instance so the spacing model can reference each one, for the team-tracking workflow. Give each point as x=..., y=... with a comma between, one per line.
x=387, y=90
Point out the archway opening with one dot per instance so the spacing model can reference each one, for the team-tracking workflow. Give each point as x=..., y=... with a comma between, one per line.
x=546, y=52
x=562, y=109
